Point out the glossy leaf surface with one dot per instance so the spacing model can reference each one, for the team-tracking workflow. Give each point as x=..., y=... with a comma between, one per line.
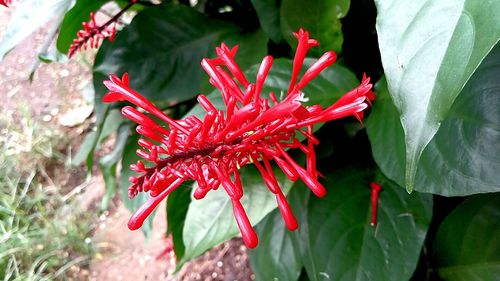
x=277, y=257
x=467, y=245
x=320, y=17
x=338, y=242
x=429, y=51
x=464, y=156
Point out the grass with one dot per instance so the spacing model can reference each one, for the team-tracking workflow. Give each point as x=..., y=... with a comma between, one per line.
x=43, y=235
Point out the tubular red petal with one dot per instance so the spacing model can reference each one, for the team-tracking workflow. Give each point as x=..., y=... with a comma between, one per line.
x=135, y=98
x=230, y=86
x=247, y=232
x=136, y=116
x=138, y=218
x=264, y=68
x=311, y=156
x=227, y=57
x=311, y=182
x=206, y=104
x=268, y=180
x=149, y=133
x=323, y=62
x=375, y=190
x=303, y=46
x=286, y=212
x=200, y=193
x=287, y=169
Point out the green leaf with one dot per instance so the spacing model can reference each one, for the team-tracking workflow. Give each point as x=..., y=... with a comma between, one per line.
x=86, y=149
x=338, y=242
x=429, y=51
x=463, y=158
x=29, y=16
x=73, y=19
x=109, y=162
x=130, y=157
x=268, y=12
x=276, y=257
x=107, y=123
x=466, y=246
x=164, y=61
x=320, y=17
x=177, y=207
x=210, y=221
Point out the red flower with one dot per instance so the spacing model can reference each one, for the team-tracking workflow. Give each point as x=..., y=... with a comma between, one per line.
x=91, y=35
x=5, y=3
x=251, y=129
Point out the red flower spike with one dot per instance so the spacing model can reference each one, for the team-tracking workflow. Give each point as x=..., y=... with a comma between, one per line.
x=92, y=34
x=5, y=3
x=253, y=129
x=375, y=190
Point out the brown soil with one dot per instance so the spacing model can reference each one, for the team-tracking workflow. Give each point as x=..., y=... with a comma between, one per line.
x=120, y=253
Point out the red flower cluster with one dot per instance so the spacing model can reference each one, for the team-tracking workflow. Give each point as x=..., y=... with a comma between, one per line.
x=5, y=3
x=92, y=34
x=251, y=129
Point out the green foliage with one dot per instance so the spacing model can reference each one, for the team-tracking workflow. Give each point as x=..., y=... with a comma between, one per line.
x=428, y=59
x=466, y=245
x=129, y=158
x=177, y=207
x=109, y=163
x=335, y=240
x=73, y=19
x=338, y=240
x=277, y=257
x=269, y=17
x=320, y=17
x=463, y=157
x=169, y=54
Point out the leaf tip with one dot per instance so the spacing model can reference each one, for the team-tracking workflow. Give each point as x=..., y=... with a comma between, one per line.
x=411, y=171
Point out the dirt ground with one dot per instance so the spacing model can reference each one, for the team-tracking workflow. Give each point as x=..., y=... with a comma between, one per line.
x=56, y=92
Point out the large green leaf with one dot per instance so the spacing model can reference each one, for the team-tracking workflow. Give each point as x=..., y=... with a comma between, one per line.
x=210, y=221
x=73, y=19
x=320, y=17
x=429, y=51
x=276, y=257
x=164, y=61
x=464, y=156
x=268, y=12
x=338, y=242
x=29, y=16
x=467, y=245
